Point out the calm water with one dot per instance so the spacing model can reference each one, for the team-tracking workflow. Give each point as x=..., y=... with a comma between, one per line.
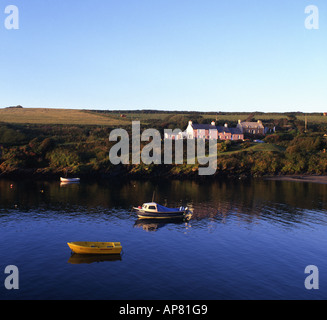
x=246, y=240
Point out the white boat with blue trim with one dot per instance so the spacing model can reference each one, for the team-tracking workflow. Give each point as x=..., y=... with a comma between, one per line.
x=153, y=210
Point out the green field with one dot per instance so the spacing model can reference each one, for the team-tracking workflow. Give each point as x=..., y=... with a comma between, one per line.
x=113, y=118
x=58, y=116
x=147, y=117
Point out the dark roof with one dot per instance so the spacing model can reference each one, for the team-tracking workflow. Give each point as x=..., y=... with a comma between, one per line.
x=229, y=130
x=235, y=131
x=255, y=125
x=196, y=126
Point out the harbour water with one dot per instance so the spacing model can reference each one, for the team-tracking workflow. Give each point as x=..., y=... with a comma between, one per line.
x=245, y=240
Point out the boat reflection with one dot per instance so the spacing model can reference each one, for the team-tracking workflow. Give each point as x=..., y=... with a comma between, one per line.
x=76, y=258
x=64, y=184
x=151, y=225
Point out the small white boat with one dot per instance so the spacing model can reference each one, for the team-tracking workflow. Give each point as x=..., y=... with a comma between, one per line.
x=153, y=210
x=69, y=179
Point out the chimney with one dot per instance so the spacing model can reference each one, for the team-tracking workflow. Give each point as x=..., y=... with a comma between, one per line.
x=190, y=122
x=213, y=123
x=239, y=121
x=226, y=125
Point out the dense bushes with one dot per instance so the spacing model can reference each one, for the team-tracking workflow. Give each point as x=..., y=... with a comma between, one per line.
x=85, y=150
x=305, y=144
x=11, y=136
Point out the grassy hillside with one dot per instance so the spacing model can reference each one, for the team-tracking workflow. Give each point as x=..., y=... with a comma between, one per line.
x=57, y=116
x=147, y=117
x=227, y=116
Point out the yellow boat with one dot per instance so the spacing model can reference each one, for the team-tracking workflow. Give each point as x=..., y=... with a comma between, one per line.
x=85, y=247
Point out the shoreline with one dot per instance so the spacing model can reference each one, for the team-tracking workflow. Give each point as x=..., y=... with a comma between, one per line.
x=32, y=174
x=300, y=178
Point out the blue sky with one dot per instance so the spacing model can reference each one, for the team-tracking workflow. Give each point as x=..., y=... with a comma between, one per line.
x=206, y=55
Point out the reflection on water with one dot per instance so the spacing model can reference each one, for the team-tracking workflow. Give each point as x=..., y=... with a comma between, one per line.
x=282, y=203
x=76, y=258
x=67, y=183
x=246, y=200
x=245, y=239
x=156, y=224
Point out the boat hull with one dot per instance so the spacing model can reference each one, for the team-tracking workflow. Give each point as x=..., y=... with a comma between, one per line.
x=95, y=247
x=143, y=214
